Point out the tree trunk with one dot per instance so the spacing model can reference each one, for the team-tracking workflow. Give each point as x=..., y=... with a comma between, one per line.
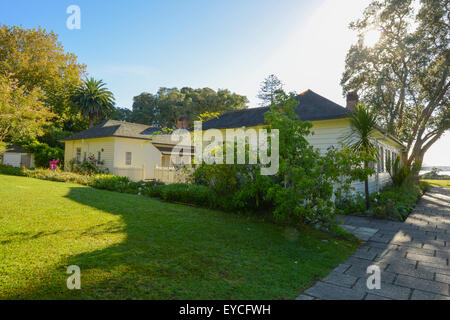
x=91, y=122
x=366, y=188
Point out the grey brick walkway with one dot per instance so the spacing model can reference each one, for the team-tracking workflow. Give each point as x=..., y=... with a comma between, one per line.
x=413, y=256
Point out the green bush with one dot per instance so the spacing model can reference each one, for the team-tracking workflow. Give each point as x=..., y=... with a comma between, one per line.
x=392, y=202
x=10, y=170
x=188, y=193
x=43, y=153
x=57, y=175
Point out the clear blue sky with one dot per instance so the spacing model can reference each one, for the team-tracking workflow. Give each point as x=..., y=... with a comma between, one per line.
x=141, y=45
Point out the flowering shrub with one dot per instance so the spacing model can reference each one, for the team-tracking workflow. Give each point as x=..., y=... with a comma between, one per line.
x=392, y=202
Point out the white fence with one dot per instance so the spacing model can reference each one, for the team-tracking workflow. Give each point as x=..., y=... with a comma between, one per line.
x=171, y=174
x=134, y=173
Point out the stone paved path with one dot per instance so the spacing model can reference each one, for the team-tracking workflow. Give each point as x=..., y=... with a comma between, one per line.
x=413, y=256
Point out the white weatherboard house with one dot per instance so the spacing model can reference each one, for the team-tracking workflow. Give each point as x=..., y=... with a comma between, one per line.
x=16, y=156
x=331, y=126
x=126, y=149
x=130, y=149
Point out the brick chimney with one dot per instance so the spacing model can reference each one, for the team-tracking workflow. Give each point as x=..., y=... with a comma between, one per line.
x=183, y=122
x=352, y=100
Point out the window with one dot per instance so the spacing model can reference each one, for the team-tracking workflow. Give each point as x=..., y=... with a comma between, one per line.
x=78, y=154
x=388, y=161
x=128, y=158
x=99, y=156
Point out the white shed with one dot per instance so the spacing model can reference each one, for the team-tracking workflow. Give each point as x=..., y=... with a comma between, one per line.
x=17, y=156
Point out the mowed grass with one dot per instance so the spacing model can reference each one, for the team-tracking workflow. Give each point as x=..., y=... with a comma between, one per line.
x=132, y=247
x=438, y=183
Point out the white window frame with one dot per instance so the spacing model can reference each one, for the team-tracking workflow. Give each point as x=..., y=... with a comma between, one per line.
x=128, y=163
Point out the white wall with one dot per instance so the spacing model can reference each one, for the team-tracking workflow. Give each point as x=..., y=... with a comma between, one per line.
x=144, y=155
x=91, y=146
x=12, y=159
x=329, y=133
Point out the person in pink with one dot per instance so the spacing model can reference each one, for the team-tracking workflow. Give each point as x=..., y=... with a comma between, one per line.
x=53, y=164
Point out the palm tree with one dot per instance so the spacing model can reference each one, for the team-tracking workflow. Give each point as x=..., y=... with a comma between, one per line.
x=94, y=100
x=363, y=123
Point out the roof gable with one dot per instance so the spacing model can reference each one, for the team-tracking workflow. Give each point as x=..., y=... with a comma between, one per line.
x=312, y=106
x=114, y=128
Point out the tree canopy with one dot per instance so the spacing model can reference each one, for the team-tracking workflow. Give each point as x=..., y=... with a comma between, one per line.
x=22, y=113
x=168, y=104
x=36, y=59
x=405, y=74
x=94, y=100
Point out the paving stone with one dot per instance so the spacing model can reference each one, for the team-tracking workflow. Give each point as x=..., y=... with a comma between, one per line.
x=421, y=251
x=375, y=297
x=434, y=245
x=342, y=268
x=327, y=291
x=364, y=254
x=434, y=260
x=433, y=269
x=386, y=290
x=421, y=284
x=443, y=253
x=443, y=278
x=340, y=279
x=410, y=270
x=422, y=295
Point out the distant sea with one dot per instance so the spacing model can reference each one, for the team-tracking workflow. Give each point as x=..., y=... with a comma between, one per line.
x=444, y=170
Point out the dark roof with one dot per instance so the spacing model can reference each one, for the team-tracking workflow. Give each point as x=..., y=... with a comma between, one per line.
x=312, y=106
x=114, y=128
x=15, y=149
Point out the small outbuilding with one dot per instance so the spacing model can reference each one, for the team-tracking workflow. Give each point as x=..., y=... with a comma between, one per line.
x=17, y=156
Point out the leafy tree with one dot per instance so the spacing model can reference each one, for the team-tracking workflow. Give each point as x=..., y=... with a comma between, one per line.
x=122, y=114
x=306, y=179
x=168, y=104
x=268, y=90
x=405, y=74
x=363, y=124
x=23, y=115
x=94, y=100
x=36, y=59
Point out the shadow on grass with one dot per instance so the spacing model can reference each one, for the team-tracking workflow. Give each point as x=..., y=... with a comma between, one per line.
x=178, y=252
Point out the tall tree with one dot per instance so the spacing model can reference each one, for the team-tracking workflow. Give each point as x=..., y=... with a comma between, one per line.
x=363, y=124
x=268, y=90
x=94, y=100
x=37, y=60
x=405, y=75
x=23, y=115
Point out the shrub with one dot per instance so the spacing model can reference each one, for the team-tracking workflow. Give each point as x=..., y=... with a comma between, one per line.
x=392, y=202
x=43, y=153
x=57, y=175
x=10, y=170
x=90, y=166
x=188, y=193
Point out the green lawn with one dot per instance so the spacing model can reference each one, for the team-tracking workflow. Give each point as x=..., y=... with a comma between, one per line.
x=132, y=247
x=438, y=183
